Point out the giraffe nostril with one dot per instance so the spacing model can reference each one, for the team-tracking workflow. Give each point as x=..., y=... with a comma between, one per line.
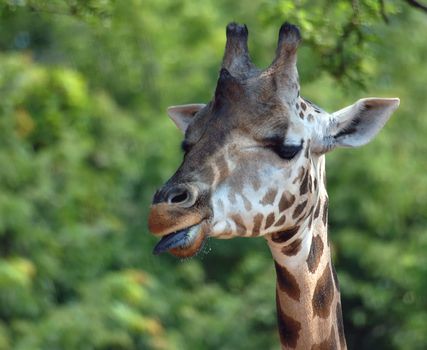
x=183, y=195
x=179, y=196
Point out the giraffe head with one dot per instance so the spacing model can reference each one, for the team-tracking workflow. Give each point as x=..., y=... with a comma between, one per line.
x=253, y=156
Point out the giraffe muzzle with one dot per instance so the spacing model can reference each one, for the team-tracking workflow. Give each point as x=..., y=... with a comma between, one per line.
x=179, y=215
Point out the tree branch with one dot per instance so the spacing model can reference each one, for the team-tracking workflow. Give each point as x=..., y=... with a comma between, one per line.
x=416, y=4
x=383, y=12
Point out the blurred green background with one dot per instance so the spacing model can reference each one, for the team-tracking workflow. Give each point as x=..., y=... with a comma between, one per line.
x=85, y=141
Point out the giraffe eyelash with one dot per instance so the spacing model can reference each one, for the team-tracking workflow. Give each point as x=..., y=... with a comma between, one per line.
x=284, y=151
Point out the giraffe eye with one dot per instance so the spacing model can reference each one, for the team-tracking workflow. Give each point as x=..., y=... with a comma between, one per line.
x=287, y=152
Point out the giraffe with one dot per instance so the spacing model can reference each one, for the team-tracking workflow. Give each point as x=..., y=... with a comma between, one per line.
x=254, y=165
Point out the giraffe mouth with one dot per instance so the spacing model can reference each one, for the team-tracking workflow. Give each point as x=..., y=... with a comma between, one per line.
x=182, y=243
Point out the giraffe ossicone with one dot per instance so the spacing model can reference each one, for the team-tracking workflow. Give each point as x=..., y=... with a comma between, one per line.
x=254, y=165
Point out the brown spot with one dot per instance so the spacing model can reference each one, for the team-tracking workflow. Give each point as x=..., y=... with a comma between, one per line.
x=222, y=166
x=283, y=236
x=325, y=211
x=232, y=197
x=269, y=197
x=323, y=294
x=256, y=183
x=316, y=251
x=293, y=248
x=304, y=184
x=303, y=106
x=286, y=201
x=257, y=224
x=315, y=183
x=298, y=210
x=317, y=211
x=288, y=327
x=301, y=173
x=307, y=152
x=247, y=203
x=281, y=221
x=303, y=217
x=330, y=343
x=287, y=282
x=340, y=325
x=310, y=118
x=270, y=220
x=301, y=115
x=240, y=225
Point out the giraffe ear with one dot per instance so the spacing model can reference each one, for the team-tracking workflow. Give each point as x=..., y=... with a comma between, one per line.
x=357, y=124
x=184, y=114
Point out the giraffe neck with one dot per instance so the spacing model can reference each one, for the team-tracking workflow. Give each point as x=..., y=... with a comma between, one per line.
x=307, y=291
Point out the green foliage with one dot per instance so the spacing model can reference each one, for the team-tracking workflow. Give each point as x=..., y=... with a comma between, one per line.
x=84, y=141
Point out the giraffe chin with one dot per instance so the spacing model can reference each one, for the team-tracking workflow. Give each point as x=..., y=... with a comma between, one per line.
x=183, y=243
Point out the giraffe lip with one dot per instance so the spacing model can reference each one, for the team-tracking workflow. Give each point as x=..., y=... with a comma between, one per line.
x=179, y=239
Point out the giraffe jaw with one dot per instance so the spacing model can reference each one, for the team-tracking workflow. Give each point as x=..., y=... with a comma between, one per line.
x=182, y=243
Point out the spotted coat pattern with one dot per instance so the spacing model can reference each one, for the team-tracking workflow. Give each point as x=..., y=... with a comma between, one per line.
x=254, y=165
